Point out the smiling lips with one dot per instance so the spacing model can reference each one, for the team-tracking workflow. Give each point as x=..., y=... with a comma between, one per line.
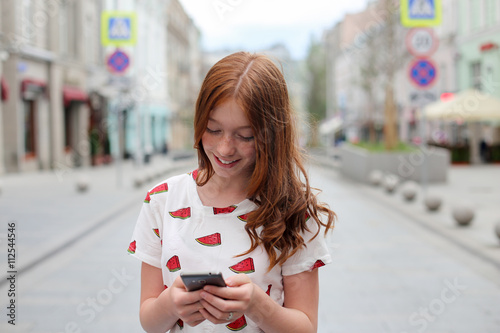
x=225, y=163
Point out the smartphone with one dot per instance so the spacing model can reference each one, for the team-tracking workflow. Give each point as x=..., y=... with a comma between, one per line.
x=195, y=281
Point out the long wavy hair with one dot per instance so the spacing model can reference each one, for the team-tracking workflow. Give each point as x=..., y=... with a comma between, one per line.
x=279, y=184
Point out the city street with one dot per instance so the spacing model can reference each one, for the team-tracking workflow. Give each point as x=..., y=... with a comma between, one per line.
x=389, y=274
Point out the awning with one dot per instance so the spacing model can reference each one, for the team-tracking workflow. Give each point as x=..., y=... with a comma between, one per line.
x=32, y=87
x=4, y=89
x=73, y=94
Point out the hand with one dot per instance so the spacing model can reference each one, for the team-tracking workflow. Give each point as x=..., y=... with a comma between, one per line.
x=186, y=304
x=225, y=305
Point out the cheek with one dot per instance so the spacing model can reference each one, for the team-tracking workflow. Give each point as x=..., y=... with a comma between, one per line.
x=250, y=152
x=206, y=141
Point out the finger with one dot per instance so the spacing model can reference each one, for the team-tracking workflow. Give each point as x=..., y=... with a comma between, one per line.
x=218, y=317
x=237, y=280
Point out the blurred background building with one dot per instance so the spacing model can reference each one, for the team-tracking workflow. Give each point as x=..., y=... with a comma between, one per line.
x=62, y=107
x=358, y=61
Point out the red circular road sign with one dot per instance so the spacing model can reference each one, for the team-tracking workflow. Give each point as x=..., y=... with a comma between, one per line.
x=422, y=73
x=421, y=42
x=118, y=62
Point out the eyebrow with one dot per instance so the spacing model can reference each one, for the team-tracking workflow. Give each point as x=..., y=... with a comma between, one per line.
x=241, y=127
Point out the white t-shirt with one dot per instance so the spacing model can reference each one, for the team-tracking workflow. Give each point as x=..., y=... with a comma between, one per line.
x=176, y=233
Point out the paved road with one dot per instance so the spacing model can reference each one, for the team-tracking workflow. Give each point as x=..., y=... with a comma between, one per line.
x=389, y=275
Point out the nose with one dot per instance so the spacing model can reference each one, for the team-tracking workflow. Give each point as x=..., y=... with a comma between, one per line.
x=226, y=146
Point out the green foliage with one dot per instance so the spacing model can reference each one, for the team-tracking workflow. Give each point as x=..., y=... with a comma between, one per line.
x=316, y=91
x=380, y=147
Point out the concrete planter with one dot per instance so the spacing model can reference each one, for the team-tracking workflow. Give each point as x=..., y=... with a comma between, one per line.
x=358, y=163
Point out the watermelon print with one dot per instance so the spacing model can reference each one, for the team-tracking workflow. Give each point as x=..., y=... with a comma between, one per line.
x=183, y=213
x=194, y=174
x=180, y=323
x=173, y=264
x=225, y=210
x=238, y=324
x=159, y=189
x=210, y=240
x=243, y=217
x=307, y=216
x=245, y=266
x=157, y=232
x=131, y=248
x=268, y=292
x=317, y=264
x=147, y=199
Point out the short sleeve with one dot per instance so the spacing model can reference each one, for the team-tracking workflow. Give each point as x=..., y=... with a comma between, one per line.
x=146, y=238
x=314, y=255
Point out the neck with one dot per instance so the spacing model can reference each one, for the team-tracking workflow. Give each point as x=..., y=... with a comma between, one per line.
x=223, y=192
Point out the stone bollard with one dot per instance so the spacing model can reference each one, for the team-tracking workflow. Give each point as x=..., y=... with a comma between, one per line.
x=82, y=184
x=390, y=183
x=410, y=189
x=463, y=215
x=497, y=230
x=432, y=202
x=375, y=177
x=137, y=181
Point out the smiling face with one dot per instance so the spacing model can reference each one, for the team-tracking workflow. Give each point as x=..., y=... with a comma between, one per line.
x=229, y=141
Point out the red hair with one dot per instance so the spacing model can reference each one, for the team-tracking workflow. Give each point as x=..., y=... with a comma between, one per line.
x=279, y=184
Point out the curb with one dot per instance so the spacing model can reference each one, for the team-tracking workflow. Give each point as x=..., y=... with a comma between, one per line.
x=430, y=223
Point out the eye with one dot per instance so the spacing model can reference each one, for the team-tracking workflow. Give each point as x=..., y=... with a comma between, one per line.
x=246, y=138
x=212, y=131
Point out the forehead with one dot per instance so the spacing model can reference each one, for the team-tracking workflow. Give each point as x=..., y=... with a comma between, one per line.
x=229, y=112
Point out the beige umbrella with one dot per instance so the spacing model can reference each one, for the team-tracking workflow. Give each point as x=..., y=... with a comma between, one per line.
x=469, y=106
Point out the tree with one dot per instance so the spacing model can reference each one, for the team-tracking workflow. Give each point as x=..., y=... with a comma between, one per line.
x=382, y=56
x=316, y=91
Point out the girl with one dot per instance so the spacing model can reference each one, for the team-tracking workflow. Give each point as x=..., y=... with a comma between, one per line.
x=247, y=211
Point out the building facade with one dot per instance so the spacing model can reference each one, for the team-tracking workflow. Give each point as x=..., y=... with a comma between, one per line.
x=63, y=107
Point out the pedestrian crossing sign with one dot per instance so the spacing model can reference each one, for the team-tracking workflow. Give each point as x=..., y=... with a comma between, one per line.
x=118, y=28
x=420, y=13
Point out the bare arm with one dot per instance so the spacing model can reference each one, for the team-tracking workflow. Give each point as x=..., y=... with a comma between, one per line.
x=299, y=313
x=161, y=308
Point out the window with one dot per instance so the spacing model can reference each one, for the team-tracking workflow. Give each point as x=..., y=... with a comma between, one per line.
x=68, y=140
x=28, y=31
x=476, y=75
x=29, y=129
x=67, y=22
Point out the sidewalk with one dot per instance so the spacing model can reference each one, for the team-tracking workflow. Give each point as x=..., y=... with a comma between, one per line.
x=50, y=214
x=475, y=186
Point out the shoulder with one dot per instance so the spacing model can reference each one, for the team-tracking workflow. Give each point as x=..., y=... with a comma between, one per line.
x=165, y=187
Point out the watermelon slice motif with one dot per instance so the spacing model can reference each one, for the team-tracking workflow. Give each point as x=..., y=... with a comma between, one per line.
x=268, y=292
x=180, y=323
x=317, y=264
x=147, y=199
x=243, y=217
x=307, y=216
x=183, y=213
x=159, y=189
x=173, y=264
x=131, y=248
x=194, y=174
x=225, y=210
x=210, y=240
x=157, y=232
x=245, y=266
x=238, y=324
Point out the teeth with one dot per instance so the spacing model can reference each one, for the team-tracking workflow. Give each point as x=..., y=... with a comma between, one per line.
x=224, y=162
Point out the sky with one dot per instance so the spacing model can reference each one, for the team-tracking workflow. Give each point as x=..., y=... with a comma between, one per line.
x=254, y=25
